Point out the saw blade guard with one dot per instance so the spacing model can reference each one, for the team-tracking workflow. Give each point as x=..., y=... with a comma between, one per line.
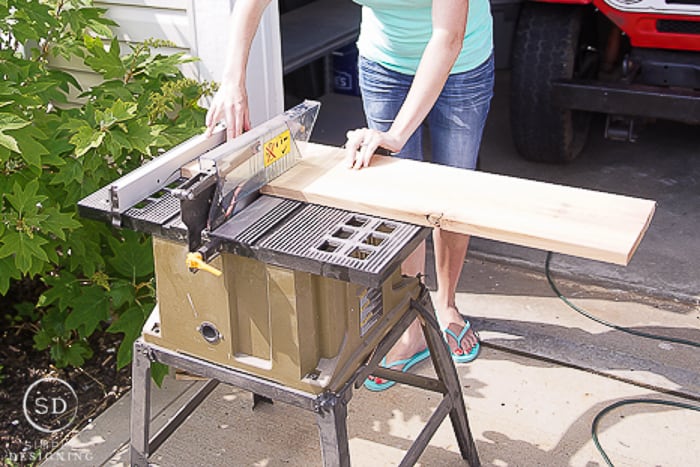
x=246, y=163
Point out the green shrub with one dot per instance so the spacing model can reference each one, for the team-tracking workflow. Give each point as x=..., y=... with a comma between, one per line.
x=53, y=152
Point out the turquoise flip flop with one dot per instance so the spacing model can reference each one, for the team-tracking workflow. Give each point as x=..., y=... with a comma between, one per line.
x=407, y=364
x=462, y=357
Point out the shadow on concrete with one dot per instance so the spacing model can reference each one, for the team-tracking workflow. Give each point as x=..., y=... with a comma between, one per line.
x=671, y=368
x=386, y=425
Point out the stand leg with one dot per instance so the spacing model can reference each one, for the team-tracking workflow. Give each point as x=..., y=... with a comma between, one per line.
x=140, y=405
x=332, y=427
x=446, y=372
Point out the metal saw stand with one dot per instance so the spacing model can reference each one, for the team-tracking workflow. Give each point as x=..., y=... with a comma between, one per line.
x=330, y=408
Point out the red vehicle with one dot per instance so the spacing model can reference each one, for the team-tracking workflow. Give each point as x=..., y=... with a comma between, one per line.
x=632, y=60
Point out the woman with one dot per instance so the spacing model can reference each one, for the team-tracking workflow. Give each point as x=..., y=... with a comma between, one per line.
x=421, y=62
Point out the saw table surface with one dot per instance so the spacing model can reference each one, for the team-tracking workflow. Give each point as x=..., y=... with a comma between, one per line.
x=580, y=222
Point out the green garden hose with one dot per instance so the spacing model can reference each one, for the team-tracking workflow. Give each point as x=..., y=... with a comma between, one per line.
x=609, y=408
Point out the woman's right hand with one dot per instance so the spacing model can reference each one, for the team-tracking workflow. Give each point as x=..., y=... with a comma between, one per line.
x=230, y=105
x=363, y=143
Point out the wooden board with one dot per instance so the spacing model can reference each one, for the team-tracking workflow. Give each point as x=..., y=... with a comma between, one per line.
x=585, y=223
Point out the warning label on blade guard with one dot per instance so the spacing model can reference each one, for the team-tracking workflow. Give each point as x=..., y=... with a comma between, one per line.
x=278, y=147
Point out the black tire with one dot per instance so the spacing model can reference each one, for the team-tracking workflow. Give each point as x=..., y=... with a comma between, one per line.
x=551, y=43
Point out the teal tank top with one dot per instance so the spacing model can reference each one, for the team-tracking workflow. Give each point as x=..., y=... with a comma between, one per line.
x=394, y=33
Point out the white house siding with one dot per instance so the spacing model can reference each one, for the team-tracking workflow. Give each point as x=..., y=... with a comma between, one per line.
x=200, y=28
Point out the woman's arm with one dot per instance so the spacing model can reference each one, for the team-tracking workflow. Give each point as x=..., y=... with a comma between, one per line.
x=449, y=19
x=231, y=101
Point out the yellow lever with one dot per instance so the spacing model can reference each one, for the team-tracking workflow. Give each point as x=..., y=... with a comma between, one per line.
x=195, y=262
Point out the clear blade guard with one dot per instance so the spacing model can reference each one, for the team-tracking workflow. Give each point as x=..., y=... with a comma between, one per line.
x=246, y=163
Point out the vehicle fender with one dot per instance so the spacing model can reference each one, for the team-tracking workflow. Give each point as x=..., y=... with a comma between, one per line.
x=642, y=28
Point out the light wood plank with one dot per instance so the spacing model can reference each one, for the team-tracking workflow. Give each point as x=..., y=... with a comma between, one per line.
x=575, y=221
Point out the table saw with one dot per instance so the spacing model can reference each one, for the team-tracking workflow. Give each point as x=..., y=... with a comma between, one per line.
x=295, y=301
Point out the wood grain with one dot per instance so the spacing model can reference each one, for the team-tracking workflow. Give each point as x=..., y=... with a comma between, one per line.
x=585, y=223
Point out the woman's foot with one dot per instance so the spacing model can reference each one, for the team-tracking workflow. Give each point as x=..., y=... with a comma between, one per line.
x=461, y=338
x=459, y=355
x=408, y=348
x=374, y=383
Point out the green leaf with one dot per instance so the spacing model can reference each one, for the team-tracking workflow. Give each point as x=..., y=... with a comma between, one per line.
x=165, y=65
x=84, y=248
x=110, y=90
x=140, y=135
x=10, y=243
x=42, y=339
x=7, y=88
x=34, y=219
x=62, y=290
x=52, y=249
x=123, y=110
x=4, y=154
x=115, y=141
x=71, y=172
x=29, y=146
x=53, y=160
x=72, y=124
x=10, y=122
x=9, y=142
x=158, y=372
x=26, y=311
x=58, y=353
x=57, y=222
x=107, y=63
x=70, y=353
x=130, y=324
x=40, y=86
x=7, y=271
x=132, y=258
x=52, y=329
x=25, y=200
x=85, y=139
x=89, y=310
x=101, y=29
x=77, y=352
x=24, y=250
x=122, y=292
x=88, y=18
x=118, y=112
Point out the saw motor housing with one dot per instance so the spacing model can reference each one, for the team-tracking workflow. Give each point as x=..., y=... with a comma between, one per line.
x=299, y=329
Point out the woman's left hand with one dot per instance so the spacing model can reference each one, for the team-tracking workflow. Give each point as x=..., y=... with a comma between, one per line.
x=364, y=142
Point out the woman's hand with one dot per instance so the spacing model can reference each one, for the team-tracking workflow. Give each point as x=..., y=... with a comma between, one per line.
x=231, y=101
x=363, y=143
x=230, y=104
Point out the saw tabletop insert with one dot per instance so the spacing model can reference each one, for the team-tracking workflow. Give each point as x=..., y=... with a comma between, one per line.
x=320, y=240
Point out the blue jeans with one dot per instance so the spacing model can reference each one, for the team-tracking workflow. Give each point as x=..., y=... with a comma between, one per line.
x=456, y=121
